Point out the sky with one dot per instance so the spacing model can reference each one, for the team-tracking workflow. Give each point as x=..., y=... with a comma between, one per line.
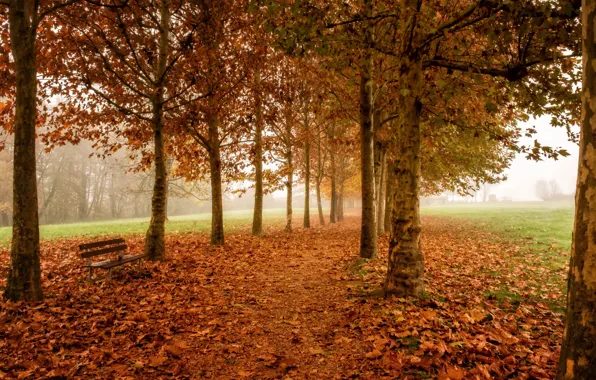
x=523, y=173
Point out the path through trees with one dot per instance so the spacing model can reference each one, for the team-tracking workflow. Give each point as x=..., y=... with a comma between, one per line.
x=285, y=304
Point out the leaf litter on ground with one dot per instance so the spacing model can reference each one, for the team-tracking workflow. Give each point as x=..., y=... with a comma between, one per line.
x=297, y=305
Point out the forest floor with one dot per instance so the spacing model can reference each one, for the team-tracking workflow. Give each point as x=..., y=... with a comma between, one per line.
x=299, y=305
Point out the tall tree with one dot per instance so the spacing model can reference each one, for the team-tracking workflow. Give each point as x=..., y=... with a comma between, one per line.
x=24, y=273
x=124, y=58
x=257, y=220
x=368, y=238
x=578, y=353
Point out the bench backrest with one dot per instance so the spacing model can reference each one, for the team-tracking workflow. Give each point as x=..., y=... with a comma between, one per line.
x=102, y=247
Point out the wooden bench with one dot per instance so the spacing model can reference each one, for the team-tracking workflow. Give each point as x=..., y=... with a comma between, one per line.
x=106, y=247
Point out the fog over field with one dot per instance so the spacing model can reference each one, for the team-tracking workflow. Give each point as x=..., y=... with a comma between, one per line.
x=523, y=173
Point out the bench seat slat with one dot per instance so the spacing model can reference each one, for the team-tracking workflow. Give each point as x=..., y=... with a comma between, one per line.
x=98, y=244
x=107, y=264
x=103, y=251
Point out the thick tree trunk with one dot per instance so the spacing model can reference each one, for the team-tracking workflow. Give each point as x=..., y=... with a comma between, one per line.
x=578, y=353
x=389, y=190
x=24, y=273
x=381, y=191
x=368, y=238
x=257, y=219
x=155, y=247
x=217, y=225
x=406, y=264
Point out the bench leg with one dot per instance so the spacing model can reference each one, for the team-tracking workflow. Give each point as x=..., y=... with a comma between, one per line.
x=90, y=274
x=140, y=264
x=109, y=277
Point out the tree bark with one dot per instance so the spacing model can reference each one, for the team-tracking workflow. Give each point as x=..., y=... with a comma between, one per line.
x=24, y=273
x=257, y=219
x=217, y=226
x=333, y=208
x=319, y=180
x=155, y=246
x=340, y=203
x=406, y=264
x=381, y=191
x=306, y=170
x=368, y=238
x=290, y=175
x=389, y=190
x=578, y=353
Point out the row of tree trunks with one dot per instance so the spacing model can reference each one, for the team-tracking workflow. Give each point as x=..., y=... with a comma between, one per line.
x=155, y=247
x=578, y=353
x=24, y=273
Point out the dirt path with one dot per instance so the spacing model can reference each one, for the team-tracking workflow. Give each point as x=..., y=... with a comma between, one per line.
x=293, y=306
x=286, y=313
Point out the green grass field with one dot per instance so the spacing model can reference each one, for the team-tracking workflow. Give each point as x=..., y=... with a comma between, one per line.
x=198, y=222
x=544, y=223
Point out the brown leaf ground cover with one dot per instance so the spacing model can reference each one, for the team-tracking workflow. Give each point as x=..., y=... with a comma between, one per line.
x=297, y=305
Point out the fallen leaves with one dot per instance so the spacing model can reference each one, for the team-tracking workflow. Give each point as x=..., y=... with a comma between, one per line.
x=284, y=305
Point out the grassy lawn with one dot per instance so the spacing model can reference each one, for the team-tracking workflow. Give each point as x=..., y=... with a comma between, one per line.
x=544, y=223
x=199, y=222
x=541, y=230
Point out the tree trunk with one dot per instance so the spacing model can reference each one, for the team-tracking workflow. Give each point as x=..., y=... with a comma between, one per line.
x=3, y=219
x=319, y=180
x=217, y=226
x=405, y=263
x=289, y=185
x=381, y=191
x=578, y=353
x=389, y=190
x=307, y=181
x=333, y=208
x=340, y=203
x=155, y=246
x=320, y=204
x=368, y=238
x=257, y=220
x=24, y=273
